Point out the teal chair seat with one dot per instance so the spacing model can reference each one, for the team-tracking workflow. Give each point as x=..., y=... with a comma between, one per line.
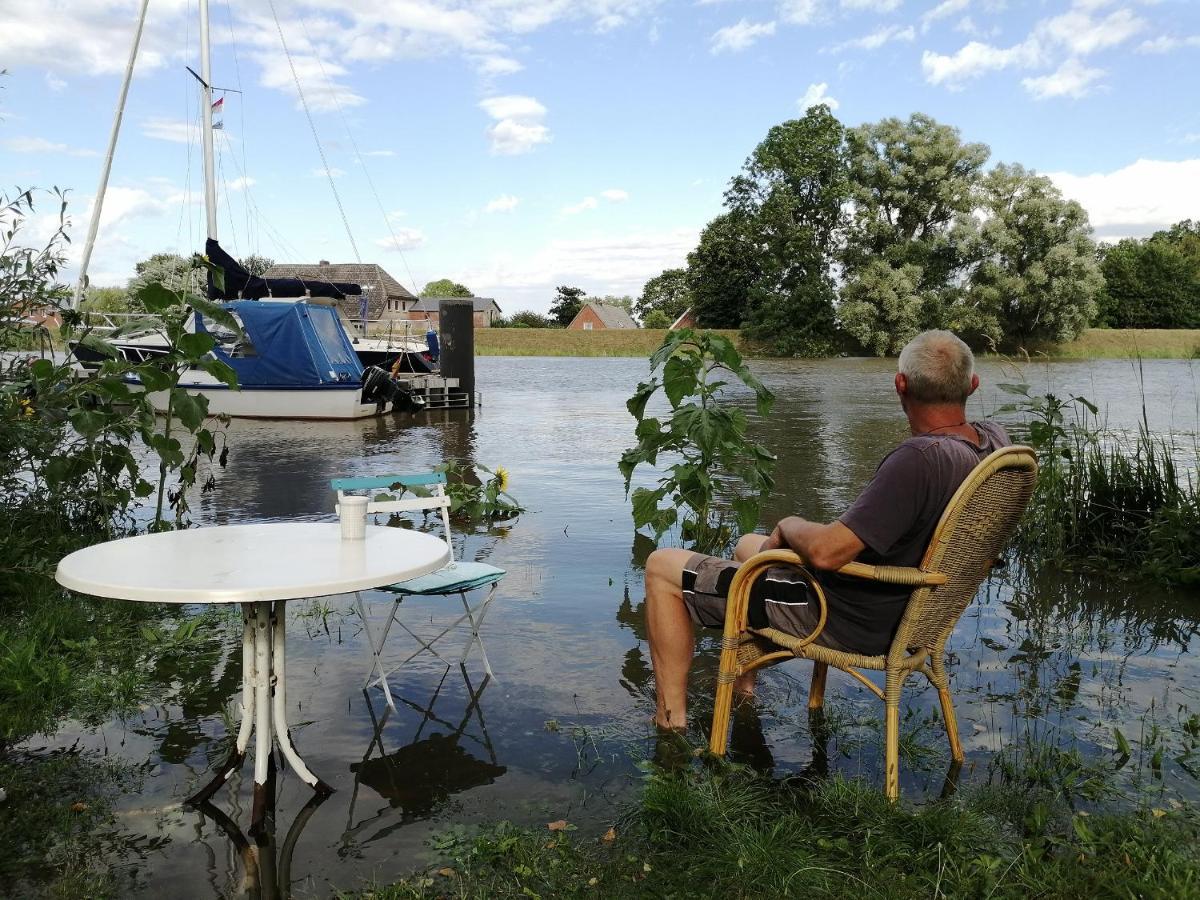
x=451, y=579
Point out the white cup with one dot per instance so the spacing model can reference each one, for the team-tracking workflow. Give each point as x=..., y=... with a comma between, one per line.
x=352, y=511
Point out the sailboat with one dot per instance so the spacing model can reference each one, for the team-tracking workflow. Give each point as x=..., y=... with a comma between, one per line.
x=294, y=358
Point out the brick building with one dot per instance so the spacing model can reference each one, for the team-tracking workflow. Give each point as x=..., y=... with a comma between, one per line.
x=386, y=297
x=595, y=316
x=425, y=309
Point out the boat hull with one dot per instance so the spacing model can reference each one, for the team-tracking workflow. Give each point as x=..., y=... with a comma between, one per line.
x=324, y=403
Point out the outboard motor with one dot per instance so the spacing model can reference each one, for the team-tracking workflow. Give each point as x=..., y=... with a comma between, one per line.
x=380, y=388
x=431, y=340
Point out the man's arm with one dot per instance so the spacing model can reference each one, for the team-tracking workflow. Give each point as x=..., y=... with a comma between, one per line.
x=821, y=546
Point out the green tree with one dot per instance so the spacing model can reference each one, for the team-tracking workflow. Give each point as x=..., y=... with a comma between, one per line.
x=914, y=188
x=1152, y=283
x=255, y=264
x=567, y=303
x=792, y=191
x=170, y=270
x=666, y=292
x=721, y=270
x=656, y=318
x=106, y=300
x=1037, y=278
x=525, y=319
x=881, y=307
x=444, y=287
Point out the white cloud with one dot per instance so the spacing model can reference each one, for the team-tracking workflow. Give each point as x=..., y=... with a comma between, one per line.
x=1063, y=40
x=56, y=84
x=972, y=60
x=1080, y=34
x=318, y=77
x=380, y=153
x=735, y=38
x=174, y=130
x=877, y=38
x=615, y=195
x=817, y=94
x=402, y=239
x=240, y=184
x=576, y=208
x=799, y=12
x=610, y=264
x=518, y=127
x=41, y=145
x=1193, y=138
x=1138, y=199
x=1166, y=43
x=943, y=10
x=331, y=172
x=1071, y=79
x=493, y=65
x=874, y=5
x=503, y=203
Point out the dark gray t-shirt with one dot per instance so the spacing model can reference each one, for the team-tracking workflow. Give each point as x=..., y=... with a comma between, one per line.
x=895, y=517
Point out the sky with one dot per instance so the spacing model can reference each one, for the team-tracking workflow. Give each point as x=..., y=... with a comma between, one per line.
x=516, y=145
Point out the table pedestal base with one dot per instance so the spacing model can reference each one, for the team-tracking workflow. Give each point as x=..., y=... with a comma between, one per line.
x=264, y=708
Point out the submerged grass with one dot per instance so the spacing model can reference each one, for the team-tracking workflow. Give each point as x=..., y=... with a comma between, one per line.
x=1105, y=500
x=728, y=832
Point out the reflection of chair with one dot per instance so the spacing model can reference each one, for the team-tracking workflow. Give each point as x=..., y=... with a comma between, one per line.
x=419, y=776
x=977, y=522
x=429, y=493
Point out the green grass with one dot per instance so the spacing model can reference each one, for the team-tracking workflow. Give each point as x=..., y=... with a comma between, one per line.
x=639, y=342
x=1095, y=343
x=732, y=833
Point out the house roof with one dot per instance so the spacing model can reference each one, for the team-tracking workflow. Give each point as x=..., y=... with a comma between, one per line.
x=376, y=283
x=480, y=304
x=611, y=316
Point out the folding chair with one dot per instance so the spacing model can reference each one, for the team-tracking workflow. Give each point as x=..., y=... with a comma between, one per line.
x=428, y=493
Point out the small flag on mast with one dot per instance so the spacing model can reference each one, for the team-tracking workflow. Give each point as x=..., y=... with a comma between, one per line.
x=217, y=104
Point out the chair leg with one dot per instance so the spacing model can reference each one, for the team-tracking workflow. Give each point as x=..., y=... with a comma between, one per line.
x=718, y=739
x=951, y=722
x=891, y=756
x=816, y=687
x=376, y=675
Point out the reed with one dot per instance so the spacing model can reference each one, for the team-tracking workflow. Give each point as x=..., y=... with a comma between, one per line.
x=1106, y=500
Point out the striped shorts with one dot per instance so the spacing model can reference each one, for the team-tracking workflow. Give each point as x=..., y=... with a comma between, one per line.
x=781, y=599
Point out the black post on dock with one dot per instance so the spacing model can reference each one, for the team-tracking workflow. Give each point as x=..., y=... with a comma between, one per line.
x=456, y=324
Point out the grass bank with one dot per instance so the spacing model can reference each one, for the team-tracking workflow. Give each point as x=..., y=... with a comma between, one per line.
x=1095, y=343
x=561, y=342
x=727, y=832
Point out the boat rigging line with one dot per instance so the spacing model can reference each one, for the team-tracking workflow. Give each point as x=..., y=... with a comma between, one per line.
x=312, y=126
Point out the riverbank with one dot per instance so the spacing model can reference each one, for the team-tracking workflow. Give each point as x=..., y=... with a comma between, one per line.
x=1095, y=343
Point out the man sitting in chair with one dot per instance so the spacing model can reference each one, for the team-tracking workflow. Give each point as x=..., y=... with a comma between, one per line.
x=890, y=523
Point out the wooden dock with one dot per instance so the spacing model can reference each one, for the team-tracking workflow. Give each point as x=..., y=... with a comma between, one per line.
x=438, y=392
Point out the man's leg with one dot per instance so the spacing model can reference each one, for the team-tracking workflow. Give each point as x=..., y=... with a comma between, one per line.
x=672, y=642
x=747, y=546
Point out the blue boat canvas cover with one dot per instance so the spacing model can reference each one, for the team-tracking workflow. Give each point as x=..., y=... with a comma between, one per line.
x=290, y=345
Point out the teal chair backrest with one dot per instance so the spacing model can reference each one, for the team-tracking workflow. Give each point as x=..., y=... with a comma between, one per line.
x=429, y=493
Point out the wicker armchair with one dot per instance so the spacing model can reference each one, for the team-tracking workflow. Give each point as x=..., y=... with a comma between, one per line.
x=978, y=520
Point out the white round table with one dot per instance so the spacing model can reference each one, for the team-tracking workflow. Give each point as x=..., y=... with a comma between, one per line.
x=261, y=567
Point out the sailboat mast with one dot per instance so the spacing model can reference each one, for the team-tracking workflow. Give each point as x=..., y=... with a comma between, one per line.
x=210, y=181
x=106, y=169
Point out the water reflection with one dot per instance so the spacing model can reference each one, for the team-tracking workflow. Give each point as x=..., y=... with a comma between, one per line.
x=416, y=778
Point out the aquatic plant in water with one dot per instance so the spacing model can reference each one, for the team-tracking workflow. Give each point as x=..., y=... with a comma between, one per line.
x=1103, y=500
x=707, y=439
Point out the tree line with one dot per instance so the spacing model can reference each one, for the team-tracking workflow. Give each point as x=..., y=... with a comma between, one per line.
x=836, y=238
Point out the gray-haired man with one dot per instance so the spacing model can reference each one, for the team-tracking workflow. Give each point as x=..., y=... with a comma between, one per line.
x=890, y=523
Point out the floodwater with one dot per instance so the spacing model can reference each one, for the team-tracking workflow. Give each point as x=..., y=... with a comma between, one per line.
x=558, y=734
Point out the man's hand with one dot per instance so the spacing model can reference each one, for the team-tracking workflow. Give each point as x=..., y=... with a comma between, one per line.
x=820, y=546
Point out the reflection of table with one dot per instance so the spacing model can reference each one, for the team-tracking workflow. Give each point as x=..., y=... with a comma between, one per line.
x=261, y=567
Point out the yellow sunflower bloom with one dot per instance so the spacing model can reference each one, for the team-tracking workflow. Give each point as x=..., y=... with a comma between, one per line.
x=502, y=477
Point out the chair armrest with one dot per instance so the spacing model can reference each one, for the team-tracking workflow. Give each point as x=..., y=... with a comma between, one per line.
x=904, y=575
x=738, y=604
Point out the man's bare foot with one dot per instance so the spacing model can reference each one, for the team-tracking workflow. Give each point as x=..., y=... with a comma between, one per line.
x=670, y=725
x=744, y=684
